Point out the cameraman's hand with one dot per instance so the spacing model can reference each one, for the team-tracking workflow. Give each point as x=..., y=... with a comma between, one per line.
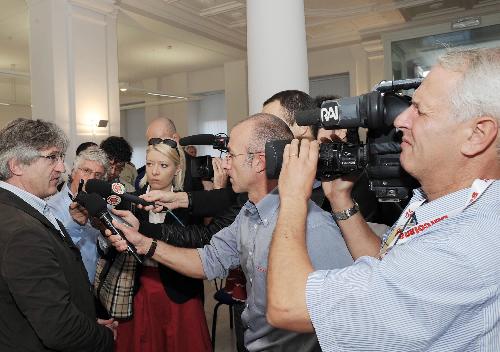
x=328, y=136
x=220, y=174
x=298, y=170
x=338, y=191
x=170, y=200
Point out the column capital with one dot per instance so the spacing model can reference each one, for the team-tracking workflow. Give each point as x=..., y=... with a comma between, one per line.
x=374, y=48
x=105, y=7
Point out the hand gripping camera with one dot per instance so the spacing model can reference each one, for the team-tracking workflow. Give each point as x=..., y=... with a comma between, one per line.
x=201, y=166
x=375, y=111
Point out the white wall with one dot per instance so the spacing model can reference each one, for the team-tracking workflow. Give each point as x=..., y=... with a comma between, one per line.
x=330, y=85
x=211, y=118
x=9, y=113
x=14, y=91
x=135, y=134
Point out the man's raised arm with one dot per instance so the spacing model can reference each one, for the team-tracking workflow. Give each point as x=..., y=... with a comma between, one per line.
x=289, y=263
x=183, y=260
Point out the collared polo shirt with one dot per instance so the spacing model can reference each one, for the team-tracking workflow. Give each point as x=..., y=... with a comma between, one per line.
x=246, y=243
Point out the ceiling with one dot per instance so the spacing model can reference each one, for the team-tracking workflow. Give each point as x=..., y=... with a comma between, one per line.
x=160, y=37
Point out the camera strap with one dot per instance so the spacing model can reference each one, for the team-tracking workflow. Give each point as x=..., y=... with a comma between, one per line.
x=400, y=234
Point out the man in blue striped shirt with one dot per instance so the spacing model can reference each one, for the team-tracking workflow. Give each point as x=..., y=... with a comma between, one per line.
x=432, y=284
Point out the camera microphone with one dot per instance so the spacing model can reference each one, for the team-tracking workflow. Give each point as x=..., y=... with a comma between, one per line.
x=198, y=139
x=308, y=117
x=96, y=206
x=106, y=190
x=218, y=141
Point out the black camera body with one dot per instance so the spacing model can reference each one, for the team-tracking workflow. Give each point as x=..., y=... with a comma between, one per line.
x=335, y=159
x=375, y=111
x=201, y=166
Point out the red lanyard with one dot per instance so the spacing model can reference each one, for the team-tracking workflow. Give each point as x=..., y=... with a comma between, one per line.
x=399, y=234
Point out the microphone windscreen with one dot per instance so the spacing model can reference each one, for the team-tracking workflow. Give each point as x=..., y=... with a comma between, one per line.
x=93, y=202
x=198, y=139
x=308, y=117
x=98, y=186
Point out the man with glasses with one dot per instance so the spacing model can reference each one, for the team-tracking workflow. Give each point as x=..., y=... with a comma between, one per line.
x=246, y=241
x=45, y=299
x=91, y=163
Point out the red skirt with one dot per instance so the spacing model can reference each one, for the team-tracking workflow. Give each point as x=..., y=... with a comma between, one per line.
x=159, y=324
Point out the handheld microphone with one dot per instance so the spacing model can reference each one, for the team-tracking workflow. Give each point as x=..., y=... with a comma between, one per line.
x=308, y=117
x=106, y=189
x=96, y=206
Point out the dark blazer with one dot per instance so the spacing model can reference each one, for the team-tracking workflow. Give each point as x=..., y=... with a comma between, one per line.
x=45, y=299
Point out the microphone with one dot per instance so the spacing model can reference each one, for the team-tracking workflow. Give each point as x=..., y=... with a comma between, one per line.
x=111, y=190
x=308, y=117
x=96, y=206
x=198, y=139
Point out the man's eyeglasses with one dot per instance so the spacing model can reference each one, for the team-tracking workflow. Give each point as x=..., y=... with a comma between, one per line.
x=54, y=157
x=170, y=142
x=89, y=173
x=229, y=156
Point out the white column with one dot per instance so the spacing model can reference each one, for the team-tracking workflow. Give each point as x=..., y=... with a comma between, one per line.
x=276, y=49
x=235, y=78
x=74, y=66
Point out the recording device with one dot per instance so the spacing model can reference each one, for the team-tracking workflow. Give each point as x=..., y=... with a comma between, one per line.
x=376, y=111
x=218, y=141
x=201, y=166
x=113, y=192
x=334, y=159
x=96, y=206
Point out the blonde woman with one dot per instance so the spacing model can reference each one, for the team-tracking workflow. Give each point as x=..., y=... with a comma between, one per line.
x=168, y=307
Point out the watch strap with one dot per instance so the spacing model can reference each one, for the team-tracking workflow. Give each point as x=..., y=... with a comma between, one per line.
x=152, y=249
x=346, y=213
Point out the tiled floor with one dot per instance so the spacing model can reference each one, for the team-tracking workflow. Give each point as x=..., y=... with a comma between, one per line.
x=225, y=340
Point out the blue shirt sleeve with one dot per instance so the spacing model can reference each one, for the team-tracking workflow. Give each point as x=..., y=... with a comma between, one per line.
x=325, y=245
x=223, y=252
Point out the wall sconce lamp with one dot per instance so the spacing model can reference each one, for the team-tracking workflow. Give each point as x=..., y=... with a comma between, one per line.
x=102, y=123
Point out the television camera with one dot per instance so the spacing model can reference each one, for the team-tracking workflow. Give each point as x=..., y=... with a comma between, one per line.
x=379, y=157
x=201, y=166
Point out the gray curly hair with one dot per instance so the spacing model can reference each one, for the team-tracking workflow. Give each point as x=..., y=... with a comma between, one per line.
x=92, y=153
x=23, y=139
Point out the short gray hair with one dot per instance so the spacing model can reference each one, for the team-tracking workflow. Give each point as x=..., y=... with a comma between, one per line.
x=92, y=153
x=23, y=139
x=266, y=127
x=476, y=94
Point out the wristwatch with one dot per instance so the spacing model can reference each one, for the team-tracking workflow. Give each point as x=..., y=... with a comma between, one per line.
x=346, y=213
